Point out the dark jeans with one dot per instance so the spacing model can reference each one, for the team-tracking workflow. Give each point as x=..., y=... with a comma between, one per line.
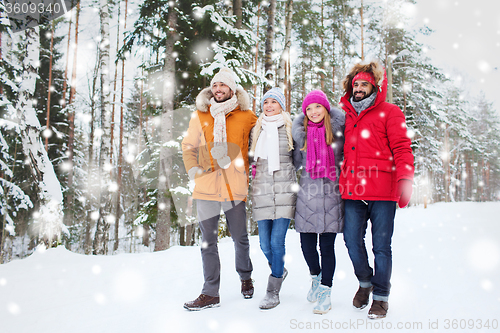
x=309, y=243
x=381, y=214
x=272, y=242
x=208, y=214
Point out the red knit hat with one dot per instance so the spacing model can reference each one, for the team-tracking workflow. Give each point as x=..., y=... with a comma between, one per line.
x=364, y=76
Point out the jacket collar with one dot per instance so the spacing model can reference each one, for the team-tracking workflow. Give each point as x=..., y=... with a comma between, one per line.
x=203, y=99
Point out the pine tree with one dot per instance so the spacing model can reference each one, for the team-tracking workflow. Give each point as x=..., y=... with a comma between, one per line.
x=48, y=221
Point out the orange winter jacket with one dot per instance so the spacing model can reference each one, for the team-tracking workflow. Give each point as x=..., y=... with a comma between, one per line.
x=215, y=183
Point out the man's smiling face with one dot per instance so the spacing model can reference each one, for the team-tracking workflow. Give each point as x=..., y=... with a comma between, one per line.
x=221, y=92
x=361, y=89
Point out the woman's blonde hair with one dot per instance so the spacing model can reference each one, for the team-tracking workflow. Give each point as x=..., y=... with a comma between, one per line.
x=328, y=130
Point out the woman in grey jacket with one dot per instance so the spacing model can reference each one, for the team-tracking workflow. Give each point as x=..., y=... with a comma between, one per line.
x=274, y=186
x=318, y=136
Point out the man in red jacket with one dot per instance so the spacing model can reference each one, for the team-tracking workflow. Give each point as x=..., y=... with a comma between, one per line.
x=377, y=173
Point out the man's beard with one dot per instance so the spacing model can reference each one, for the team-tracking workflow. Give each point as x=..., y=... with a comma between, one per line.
x=357, y=99
x=223, y=100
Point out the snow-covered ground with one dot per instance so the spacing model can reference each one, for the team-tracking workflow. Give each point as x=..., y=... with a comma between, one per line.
x=446, y=278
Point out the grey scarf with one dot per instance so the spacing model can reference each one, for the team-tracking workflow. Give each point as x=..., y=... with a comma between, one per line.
x=364, y=103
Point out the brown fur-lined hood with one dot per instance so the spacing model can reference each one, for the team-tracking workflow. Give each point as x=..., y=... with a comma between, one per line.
x=374, y=67
x=203, y=99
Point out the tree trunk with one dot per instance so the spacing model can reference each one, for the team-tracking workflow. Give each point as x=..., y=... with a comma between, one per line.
x=87, y=245
x=71, y=121
x=189, y=226
x=268, y=57
x=182, y=236
x=362, y=32
x=389, y=79
x=289, y=103
x=104, y=219
x=163, y=223
x=238, y=12
x=446, y=161
x=120, y=148
x=49, y=218
x=404, y=95
x=112, y=139
x=50, y=83
x=468, y=180
x=65, y=83
x=303, y=81
x=254, y=105
x=288, y=43
x=333, y=64
x=115, y=79
x=142, y=190
x=322, y=38
x=145, y=235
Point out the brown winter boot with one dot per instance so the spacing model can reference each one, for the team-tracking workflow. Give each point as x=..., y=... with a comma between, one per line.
x=378, y=310
x=247, y=288
x=360, y=300
x=202, y=302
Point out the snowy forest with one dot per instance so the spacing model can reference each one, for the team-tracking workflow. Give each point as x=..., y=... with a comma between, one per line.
x=94, y=105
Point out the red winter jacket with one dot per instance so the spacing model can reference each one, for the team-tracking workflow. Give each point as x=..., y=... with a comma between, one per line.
x=377, y=152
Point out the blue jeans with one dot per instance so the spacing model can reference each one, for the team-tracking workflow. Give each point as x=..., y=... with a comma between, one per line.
x=381, y=214
x=272, y=242
x=309, y=245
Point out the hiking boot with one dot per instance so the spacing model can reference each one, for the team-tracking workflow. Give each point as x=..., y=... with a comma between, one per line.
x=202, y=302
x=360, y=300
x=324, y=300
x=247, y=288
x=312, y=295
x=378, y=310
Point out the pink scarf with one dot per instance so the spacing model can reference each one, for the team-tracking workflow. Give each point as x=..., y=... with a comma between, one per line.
x=320, y=156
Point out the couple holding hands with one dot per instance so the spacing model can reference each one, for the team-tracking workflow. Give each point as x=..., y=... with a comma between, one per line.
x=356, y=167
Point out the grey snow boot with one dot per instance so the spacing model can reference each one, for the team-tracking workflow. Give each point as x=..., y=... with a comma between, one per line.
x=272, y=298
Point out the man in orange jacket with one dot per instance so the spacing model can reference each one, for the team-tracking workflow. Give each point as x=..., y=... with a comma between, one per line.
x=377, y=173
x=215, y=154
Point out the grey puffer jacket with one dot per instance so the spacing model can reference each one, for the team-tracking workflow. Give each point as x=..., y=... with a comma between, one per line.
x=274, y=196
x=320, y=207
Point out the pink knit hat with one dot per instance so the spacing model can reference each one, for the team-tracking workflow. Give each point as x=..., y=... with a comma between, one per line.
x=364, y=76
x=315, y=96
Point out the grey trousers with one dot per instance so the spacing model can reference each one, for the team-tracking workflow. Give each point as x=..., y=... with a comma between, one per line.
x=208, y=215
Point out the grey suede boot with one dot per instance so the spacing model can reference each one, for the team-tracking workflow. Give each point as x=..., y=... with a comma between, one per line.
x=272, y=299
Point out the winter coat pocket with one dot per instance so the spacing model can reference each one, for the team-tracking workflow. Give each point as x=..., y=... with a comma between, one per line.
x=376, y=177
x=206, y=183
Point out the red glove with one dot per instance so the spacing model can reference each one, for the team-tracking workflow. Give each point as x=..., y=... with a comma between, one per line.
x=405, y=189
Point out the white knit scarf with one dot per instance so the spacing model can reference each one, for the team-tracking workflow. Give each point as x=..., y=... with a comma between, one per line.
x=268, y=143
x=219, y=112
